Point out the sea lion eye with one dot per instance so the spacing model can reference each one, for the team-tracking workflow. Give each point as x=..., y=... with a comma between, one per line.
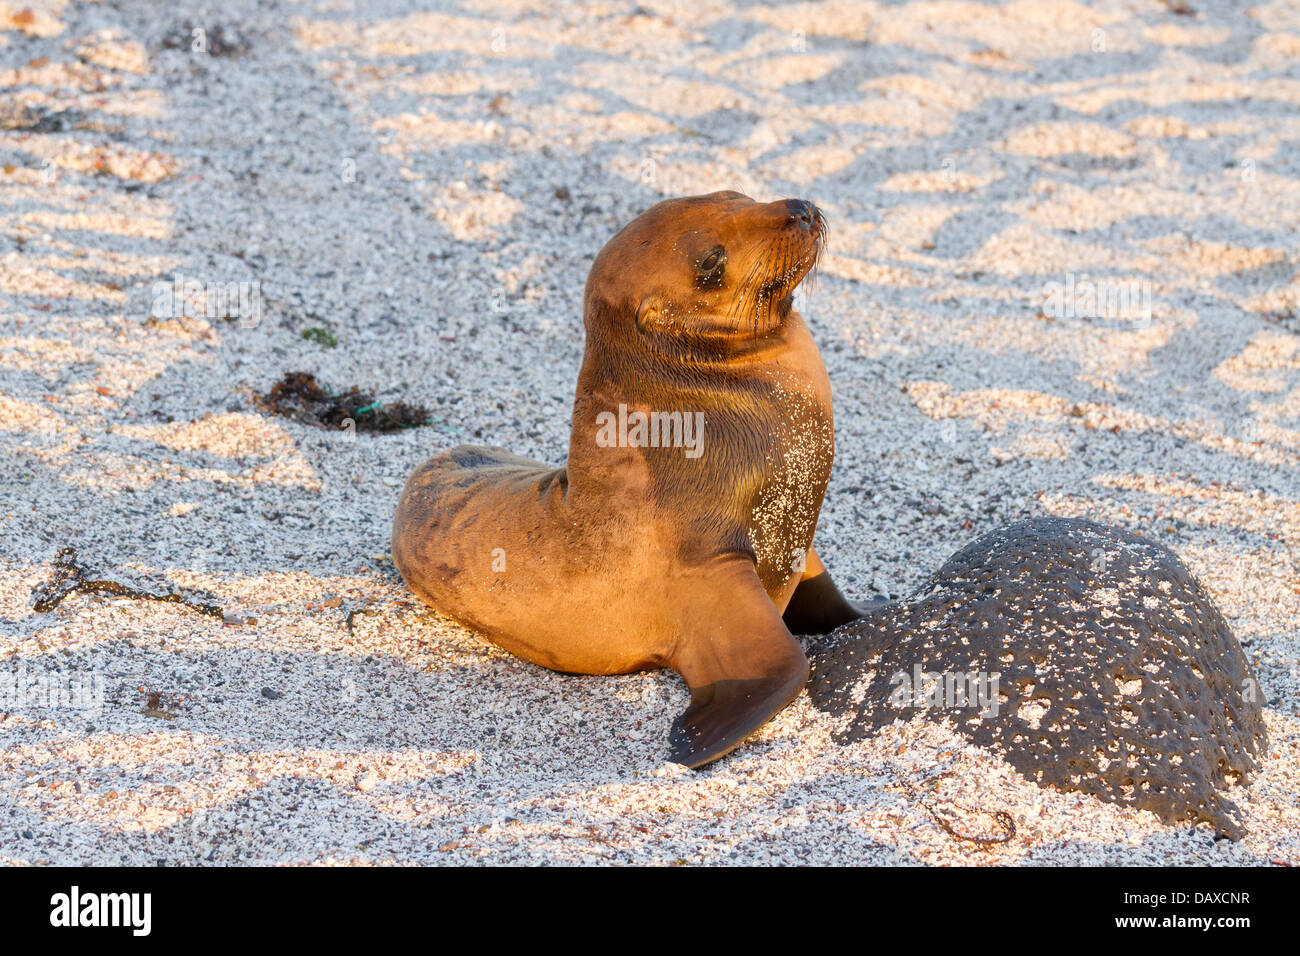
x=709, y=270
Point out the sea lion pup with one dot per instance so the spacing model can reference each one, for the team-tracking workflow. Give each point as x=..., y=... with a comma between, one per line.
x=682, y=526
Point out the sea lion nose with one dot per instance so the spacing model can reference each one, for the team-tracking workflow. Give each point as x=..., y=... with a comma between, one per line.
x=802, y=211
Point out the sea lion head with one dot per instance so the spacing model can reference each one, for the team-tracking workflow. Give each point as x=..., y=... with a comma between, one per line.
x=704, y=269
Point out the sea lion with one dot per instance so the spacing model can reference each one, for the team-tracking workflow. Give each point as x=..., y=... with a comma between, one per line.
x=681, y=528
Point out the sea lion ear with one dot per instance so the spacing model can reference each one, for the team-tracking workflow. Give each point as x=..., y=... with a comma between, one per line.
x=647, y=312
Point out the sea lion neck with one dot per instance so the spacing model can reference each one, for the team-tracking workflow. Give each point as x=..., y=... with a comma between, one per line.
x=750, y=384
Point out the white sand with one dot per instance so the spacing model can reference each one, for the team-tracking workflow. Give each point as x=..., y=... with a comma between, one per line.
x=965, y=154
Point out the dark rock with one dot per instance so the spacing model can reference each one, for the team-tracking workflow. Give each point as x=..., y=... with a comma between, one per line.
x=1116, y=674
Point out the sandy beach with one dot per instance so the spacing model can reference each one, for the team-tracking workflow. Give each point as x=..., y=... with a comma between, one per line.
x=404, y=196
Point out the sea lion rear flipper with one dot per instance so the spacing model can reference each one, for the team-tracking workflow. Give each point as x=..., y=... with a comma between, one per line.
x=738, y=659
x=817, y=606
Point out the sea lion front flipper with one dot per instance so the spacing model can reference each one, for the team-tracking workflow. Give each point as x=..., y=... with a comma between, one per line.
x=738, y=659
x=817, y=606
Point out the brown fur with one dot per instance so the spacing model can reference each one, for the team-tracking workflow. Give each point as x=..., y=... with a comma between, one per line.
x=639, y=557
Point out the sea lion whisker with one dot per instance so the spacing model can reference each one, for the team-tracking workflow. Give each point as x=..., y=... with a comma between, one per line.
x=747, y=284
x=743, y=288
x=766, y=296
x=780, y=280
